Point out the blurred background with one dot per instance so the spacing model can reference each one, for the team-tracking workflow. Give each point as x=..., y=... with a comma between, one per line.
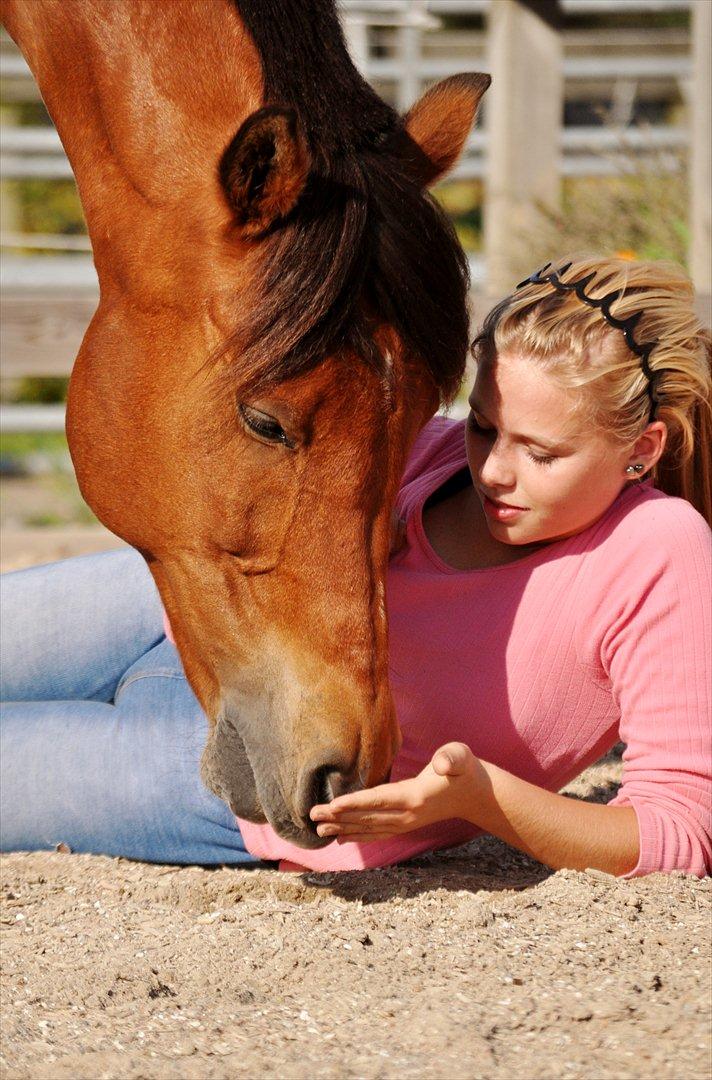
x=595, y=136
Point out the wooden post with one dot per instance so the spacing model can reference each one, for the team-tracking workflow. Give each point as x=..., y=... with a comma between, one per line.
x=701, y=148
x=409, y=55
x=523, y=115
x=356, y=33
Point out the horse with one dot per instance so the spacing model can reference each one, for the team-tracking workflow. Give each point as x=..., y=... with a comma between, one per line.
x=282, y=307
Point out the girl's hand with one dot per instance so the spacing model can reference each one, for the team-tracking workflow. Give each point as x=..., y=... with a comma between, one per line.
x=443, y=790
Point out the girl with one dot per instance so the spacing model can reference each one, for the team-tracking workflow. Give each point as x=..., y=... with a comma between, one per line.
x=548, y=599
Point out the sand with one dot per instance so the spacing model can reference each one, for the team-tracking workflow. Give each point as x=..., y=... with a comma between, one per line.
x=474, y=963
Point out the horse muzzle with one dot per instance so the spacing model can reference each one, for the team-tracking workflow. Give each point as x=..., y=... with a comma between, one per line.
x=256, y=788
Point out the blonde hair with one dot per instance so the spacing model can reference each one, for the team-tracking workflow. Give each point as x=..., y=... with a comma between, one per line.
x=582, y=350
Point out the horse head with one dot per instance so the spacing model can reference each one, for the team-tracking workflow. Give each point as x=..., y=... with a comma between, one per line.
x=283, y=306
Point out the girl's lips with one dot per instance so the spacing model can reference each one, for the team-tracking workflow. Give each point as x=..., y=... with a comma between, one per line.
x=501, y=511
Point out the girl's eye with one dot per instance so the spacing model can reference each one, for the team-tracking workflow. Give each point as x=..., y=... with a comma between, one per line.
x=478, y=429
x=541, y=459
x=264, y=426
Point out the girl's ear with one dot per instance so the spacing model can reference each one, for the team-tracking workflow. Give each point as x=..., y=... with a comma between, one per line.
x=439, y=123
x=650, y=447
x=264, y=169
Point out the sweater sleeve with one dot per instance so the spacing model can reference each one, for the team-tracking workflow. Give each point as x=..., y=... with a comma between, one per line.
x=658, y=655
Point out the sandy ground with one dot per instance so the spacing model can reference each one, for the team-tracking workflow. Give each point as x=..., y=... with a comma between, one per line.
x=475, y=963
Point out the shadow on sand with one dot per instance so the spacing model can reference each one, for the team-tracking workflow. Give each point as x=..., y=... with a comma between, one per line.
x=485, y=864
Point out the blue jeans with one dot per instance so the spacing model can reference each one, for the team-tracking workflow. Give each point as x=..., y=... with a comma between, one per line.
x=101, y=734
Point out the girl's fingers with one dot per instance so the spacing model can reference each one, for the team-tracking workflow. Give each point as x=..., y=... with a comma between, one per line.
x=360, y=802
x=364, y=838
x=360, y=817
x=372, y=823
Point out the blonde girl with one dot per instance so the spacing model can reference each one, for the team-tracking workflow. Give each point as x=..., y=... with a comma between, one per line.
x=591, y=408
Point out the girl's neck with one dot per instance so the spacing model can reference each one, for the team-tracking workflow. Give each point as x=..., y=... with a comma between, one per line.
x=456, y=529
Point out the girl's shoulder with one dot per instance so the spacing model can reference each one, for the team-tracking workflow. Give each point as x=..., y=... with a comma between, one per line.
x=646, y=564
x=644, y=519
x=647, y=544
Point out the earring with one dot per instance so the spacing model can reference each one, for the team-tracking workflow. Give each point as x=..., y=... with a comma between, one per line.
x=635, y=470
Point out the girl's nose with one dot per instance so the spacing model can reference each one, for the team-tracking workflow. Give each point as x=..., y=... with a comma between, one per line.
x=495, y=471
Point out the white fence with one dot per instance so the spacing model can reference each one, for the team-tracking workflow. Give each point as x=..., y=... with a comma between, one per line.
x=28, y=153
x=47, y=302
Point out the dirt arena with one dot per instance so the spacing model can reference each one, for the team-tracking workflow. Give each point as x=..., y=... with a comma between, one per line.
x=475, y=963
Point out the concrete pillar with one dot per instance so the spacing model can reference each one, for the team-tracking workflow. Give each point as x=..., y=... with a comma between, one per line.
x=524, y=114
x=701, y=148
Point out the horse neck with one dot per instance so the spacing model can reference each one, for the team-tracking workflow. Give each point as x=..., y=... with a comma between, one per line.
x=145, y=96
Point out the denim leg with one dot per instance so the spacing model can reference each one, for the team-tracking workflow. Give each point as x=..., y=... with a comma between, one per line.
x=69, y=630
x=119, y=779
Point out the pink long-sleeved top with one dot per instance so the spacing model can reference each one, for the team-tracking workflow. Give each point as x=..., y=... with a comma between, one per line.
x=541, y=665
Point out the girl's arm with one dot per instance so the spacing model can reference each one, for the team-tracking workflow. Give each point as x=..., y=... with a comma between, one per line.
x=556, y=830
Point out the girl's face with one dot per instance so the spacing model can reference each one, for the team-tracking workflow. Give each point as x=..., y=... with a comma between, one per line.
x=540, y=470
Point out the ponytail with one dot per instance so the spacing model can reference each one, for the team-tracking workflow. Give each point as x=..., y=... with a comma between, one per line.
x=689, y=476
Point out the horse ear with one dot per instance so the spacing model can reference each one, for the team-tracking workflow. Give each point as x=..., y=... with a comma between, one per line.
x=440, y=121
x=264, y=169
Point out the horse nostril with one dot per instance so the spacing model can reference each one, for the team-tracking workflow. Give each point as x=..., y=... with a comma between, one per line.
x=322, y=790
x=318, y=786
x=327, y=782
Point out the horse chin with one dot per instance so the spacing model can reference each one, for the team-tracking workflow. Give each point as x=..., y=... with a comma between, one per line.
x=303, y=838
x=226, y=771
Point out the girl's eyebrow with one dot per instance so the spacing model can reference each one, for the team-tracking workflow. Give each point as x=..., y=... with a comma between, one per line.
x=545, y=444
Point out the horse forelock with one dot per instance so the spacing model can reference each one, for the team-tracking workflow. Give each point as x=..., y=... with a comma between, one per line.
x=364, y=244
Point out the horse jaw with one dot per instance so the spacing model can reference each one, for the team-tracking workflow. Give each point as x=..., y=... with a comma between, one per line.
x=226, y=771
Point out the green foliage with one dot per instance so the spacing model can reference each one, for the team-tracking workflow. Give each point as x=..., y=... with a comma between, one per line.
x=622, y=20
x=641, y=213
x=46, y=206
x=63, y=504
x=19, y=443
x=463, y=202
x=30, y=114
x=644, y=213
x=48, y=390
x=43, y=520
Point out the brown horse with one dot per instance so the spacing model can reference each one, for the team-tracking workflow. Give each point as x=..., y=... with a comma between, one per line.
x=282, y=307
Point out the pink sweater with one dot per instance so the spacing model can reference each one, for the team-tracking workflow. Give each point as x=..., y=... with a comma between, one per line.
x=541, y=665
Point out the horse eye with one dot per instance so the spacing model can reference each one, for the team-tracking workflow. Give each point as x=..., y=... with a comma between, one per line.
x=263, y=425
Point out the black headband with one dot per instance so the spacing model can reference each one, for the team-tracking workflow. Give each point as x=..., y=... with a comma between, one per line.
x=540, y=277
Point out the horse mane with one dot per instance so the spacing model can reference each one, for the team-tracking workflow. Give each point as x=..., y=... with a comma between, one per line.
x=364, y=244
